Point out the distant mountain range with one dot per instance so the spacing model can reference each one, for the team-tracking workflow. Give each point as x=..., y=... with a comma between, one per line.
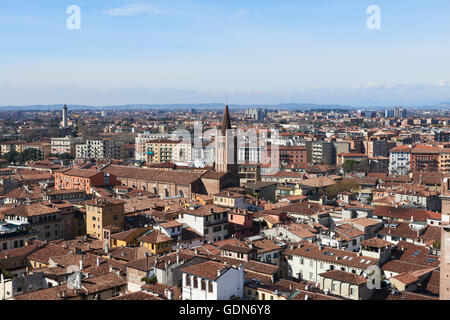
x=207, y=106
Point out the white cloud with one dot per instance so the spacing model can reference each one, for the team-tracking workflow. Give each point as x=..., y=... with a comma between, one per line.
x=242, y=12
x=443, y=83
x=371, y=85
x=135, y=9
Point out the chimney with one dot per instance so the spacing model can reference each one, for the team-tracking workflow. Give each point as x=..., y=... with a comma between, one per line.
x=178, y=259
x=2, y=279
x=306, y=297
x=110, y=268
x=291, y=287
x=98, y=261
x=81, y=264
x=168, y=293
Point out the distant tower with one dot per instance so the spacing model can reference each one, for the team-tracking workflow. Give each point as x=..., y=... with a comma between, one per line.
x=226, y=147
x=65, y=118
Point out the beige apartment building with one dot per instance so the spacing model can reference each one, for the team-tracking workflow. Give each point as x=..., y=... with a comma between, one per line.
x=101, y=213
x=444, y=160
x=159, y=151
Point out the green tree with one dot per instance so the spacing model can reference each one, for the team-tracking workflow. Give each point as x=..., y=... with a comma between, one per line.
x=151, y=280
x=11, y=156
x=25, y=156
x=348, y=185
x=7, y=274
x=350, y=165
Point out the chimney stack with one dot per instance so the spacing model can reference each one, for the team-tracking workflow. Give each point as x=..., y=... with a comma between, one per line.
x=98, y=261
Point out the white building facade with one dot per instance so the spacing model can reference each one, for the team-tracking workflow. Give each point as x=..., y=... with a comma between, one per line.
x=212, y=281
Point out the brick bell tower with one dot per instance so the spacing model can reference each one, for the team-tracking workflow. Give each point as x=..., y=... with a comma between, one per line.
x=444, y=287
x=226, y=147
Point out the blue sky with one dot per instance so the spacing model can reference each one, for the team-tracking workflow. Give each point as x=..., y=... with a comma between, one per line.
x=198, y=51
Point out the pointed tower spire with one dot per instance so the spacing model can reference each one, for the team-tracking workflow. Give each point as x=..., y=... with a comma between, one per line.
x=226, y=123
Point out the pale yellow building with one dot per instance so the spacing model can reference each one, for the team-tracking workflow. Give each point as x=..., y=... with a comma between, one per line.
x=444, y=160
x=160, y=151
x=101, y=213
x=347, y=285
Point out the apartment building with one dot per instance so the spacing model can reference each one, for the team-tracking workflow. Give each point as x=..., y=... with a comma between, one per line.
x=143, y=138
x=209, y=221
x=47, y=221
x=400, y=160
x=101, y=213
x=249, y=173
x=424, y=158
x=82, y=179
x=444, y=160
x=322, y=152
x=14, y=236
x=287, y=155
x=65, y=145
x=212, y=280
x=165, y=150
x=344, y=284
x=43, y=148
x=100, y=149
x=306, y=261
x=376, y=148
x=9, y=146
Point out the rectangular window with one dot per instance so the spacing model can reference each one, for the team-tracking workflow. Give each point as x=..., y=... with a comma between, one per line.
x=188, y=280
x=210, y=287
x=195, y=282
